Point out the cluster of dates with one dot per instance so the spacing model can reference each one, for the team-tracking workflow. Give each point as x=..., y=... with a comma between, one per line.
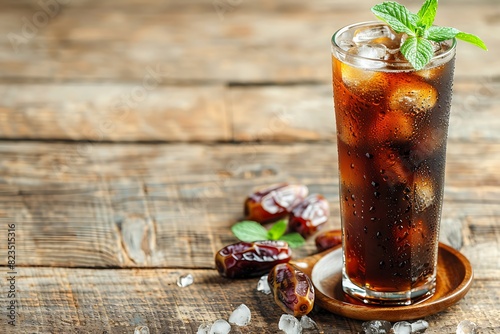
x=306, y=214
x=293, y=291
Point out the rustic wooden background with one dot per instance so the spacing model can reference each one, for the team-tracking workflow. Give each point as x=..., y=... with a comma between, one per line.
x=131, y=132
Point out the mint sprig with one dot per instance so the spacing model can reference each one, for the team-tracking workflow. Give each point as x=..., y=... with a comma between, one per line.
x=250, y=231
x=417, y=48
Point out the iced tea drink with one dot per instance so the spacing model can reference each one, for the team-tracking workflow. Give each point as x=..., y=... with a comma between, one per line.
x=392, y=124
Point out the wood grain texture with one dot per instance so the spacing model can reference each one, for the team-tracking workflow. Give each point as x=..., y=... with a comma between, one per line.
x=63, y=300
x=247, y=41
x=160, y=205
x=114, y=112
x=211, y=113
x=173, y=71
x=56, y=300
x=226, y=95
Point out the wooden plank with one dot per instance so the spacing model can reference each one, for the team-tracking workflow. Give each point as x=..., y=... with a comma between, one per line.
x=144, y=205
x=251, y=42
x=114, y=112
x=150, y=111
x=63, y=300
x=305, y=112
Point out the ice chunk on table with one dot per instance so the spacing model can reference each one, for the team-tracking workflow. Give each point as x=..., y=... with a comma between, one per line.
x=263, y=285
x=204, y=329
x=376, y=327
x=466, y=327
x=185, y=280
x=141, y=330
x=419, y=326
x=220, y=326
x=307, y=323
x=241, y=316
x=289, y=324
x=402, y=327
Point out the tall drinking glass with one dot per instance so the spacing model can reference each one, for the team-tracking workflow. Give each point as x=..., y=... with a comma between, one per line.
x=392, y=124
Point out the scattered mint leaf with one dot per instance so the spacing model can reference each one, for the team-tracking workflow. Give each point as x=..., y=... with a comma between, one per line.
x=473, y=39
x=249, y=231
x=418, y=51
x=397, y=16
x=294, y=240
x=419, y=27
x=277, y=230
x=439, y=34
x=427, y=13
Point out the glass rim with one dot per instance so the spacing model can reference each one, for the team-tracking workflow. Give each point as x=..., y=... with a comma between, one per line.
x=335, y=47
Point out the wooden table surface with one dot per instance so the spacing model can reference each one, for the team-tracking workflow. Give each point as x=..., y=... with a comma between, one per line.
x=132, y=131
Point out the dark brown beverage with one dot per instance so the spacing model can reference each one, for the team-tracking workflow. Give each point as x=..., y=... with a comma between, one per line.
x=392, y=124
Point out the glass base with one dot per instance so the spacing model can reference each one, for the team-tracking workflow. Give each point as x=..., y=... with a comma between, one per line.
x=369, y=296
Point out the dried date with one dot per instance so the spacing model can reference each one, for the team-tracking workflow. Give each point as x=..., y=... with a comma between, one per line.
x=292, y=289
x=274, y=202
x=328, y=239
x=251, y=259
x=309, y=215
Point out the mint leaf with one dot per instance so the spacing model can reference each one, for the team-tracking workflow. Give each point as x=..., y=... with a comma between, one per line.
x=249, y=231
x=427, y=13
x=473, y=39
x=418, y=51
x=277, y=230
x=397, y=16
x=439, y=34
x=417, y=48
x=294, y=240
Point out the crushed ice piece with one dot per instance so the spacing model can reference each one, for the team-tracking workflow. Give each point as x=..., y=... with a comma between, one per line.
x=141, y=330
x=402, y=327
x=370, y=34
x=289, y=324
x=204, y=329
x=436, y=47
x=364, y=55
x=185, y=280
x=220, y=326
x=424, y=193
x=241, y=316
x=263, y=285
x=419, y=326
x=307, y=323
x=415, y=96
x=466, y=327
x=346, y=45
x=376, y=327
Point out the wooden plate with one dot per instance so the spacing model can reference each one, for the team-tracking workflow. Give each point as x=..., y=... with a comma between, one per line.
x=454, y=279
